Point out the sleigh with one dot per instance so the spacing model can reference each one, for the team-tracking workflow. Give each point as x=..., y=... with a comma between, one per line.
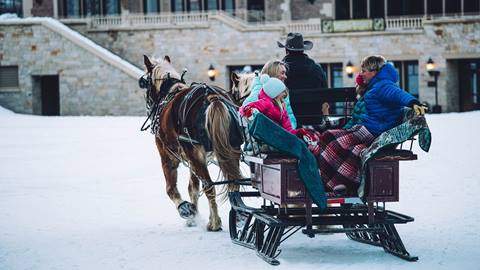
x=285, y=202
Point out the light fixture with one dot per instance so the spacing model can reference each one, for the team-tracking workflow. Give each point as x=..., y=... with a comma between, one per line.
x=211, y=73
x=349, y=69
x=431, y=68
x=430, y=65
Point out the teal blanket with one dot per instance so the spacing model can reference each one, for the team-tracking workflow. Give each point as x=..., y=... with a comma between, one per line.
x=411, y=126
x=268, y=132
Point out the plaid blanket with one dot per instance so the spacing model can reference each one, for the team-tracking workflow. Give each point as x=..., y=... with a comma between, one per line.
x=340, y=155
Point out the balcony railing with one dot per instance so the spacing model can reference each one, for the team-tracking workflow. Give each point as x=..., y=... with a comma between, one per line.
x=251, y=19
x=404, y=23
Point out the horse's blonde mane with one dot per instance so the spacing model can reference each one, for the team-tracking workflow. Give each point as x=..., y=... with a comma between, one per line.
x=244, y=84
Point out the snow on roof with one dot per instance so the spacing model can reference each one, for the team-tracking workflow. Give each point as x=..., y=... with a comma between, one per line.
x=77, y=38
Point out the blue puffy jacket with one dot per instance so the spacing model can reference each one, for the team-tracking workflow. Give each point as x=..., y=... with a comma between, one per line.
x=253, y=96
x=381, y=107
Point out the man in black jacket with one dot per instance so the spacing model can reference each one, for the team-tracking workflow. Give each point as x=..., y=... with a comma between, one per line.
x=302, y=72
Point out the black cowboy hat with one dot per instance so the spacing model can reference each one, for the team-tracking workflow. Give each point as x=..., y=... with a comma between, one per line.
x=295, y=42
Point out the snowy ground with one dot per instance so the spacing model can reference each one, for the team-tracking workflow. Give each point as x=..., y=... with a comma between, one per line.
x=88, y=193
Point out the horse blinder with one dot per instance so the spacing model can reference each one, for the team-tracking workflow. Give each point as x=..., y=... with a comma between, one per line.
x=145, y=82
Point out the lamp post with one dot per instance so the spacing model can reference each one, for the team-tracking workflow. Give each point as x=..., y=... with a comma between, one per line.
x=349, y=69
x=211, y=72
x=431, y=68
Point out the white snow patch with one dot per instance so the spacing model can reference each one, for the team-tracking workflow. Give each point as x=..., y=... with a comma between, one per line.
x=89, y=193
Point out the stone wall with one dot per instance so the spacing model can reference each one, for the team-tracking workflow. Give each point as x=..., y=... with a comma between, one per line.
x=87, y=84
x=195, y=49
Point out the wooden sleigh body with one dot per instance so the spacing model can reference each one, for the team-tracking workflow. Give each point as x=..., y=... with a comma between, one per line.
x=286, y=207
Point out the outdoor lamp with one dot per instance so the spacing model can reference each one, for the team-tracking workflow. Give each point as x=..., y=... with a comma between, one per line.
x=430, y=65
x=431, y=68
x=349, y=69
x=211, y=73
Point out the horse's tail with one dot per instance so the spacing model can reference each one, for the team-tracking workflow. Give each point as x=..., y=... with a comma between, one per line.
x=217, y=124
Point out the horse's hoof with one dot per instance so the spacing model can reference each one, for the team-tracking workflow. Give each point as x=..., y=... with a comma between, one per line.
x=214, y=228
x=187, y=210
x=191, y=222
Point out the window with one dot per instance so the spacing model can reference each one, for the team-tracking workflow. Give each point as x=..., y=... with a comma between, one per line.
x=194, y=5
x=342, y=9
x=11, y=6
x=211, y=4
x=453, y=6
x=8, y=76
x=377, y=8
x=79, y=8
x=151, y=6
x=72, y=8
x=434, y=7
x=470, y=6
x=177, y=6
x=405, y=7
x=359, y=8
x=228, y=5
x=334, y=72
x=408, y=76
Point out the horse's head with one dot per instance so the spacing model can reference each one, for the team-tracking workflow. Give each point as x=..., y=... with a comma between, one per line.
x=241, y=85
x=157, y=72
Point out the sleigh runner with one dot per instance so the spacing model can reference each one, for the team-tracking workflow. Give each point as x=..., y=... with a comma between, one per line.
x=279, y=178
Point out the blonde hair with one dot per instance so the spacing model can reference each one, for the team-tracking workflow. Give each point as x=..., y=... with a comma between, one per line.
x=279, y=101
x=271, y=68
x=373, y=62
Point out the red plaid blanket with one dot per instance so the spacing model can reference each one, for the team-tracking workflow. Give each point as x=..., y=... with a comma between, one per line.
x=339, y=159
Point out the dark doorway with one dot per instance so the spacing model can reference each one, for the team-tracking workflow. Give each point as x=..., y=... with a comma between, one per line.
x=50, y=95
x=469, y=83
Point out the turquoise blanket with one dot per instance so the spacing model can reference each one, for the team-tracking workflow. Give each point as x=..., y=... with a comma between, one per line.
x=267, y=131
x=411, y=126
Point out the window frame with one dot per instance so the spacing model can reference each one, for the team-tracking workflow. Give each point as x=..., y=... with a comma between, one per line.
x=14, y=70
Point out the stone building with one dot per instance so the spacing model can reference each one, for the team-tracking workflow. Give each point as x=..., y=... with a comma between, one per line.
x=236, y=35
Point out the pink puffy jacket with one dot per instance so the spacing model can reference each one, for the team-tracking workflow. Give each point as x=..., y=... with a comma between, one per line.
x=266, y=105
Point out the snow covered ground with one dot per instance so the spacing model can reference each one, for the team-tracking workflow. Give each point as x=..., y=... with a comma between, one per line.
x=88, y=193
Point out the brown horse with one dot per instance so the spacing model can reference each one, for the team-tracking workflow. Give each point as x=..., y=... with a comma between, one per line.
x=188, y=123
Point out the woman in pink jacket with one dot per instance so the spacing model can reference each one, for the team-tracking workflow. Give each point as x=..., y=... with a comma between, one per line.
x=271, y=103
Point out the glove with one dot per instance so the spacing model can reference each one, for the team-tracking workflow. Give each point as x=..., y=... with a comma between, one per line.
x=419, y=109
x=250, y=113
x=311, y=138
x=325, y=108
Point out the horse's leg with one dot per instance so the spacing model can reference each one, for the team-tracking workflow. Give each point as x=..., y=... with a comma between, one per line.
x=198, y=164
x=193, y=186
x=170, y=166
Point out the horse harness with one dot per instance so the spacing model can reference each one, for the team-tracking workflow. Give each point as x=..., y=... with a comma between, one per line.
x=156, y=106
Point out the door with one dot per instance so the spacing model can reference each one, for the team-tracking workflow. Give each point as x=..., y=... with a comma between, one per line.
x=469, y=82
x=50, y=95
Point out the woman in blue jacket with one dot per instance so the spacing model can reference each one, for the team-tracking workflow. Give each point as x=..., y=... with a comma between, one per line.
x=381, y=107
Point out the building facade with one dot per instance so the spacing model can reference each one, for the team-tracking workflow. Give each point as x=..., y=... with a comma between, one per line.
x=236, y=35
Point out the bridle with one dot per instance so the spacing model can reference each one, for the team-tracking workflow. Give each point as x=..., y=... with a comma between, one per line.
x=155, y=105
